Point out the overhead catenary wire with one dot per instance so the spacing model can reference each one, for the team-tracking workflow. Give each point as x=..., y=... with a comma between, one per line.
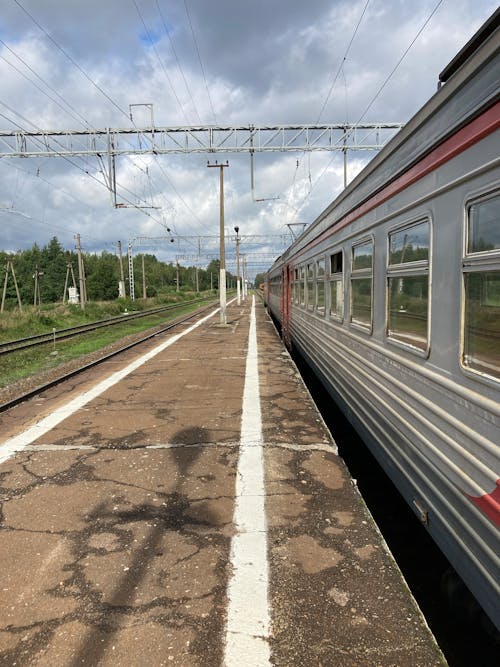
x=380, y=89
x=115, y=104
x=167, y=32
x=74, y=164
x=342, y=62
x=162, y=64
x=86, y=75
x=200, y=60
x=339, y=69
x=72, y=111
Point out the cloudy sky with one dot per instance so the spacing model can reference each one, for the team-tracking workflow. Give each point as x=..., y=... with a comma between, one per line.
x=67, y=64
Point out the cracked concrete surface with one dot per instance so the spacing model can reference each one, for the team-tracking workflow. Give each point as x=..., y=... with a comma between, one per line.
x=116, y=525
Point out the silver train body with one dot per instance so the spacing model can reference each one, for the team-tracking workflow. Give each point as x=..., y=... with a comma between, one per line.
x=393, y=297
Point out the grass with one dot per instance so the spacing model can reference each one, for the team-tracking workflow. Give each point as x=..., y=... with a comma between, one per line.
x=35, y=320
x=26, y=363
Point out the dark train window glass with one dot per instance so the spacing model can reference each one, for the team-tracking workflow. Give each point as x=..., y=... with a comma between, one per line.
x=484, y=226
x=361, y=307
x=320, y=268
x=336, y=286
x=409, y=245
x=362, y=256
x=408, y=310
x=482, y=322
x=336, y=263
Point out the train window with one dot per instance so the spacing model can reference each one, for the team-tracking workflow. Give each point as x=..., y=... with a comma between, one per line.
x=302, y=286
x=481, y=340
x=336, y=286
x=410, y=244
x=336, y=263
x=296, y=286
x=320, y=286
x=408, y=285
x=310, y=286
x=484, y=226
x=361, y=284
x=362, y=256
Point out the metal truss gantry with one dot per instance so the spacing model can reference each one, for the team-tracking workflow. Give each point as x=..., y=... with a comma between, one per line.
x=210, y=241
x=195, y=139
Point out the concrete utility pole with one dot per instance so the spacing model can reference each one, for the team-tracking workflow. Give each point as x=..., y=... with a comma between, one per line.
x=121, y=285
x=81, y=276
x=143, y=279
x=222, y=273
x=36, y=276
x=244, y=276
x=238, y=295
x=177, y=274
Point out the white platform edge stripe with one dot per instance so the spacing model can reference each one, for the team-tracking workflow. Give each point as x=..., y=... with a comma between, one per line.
x=19, y=442
x=248, y=617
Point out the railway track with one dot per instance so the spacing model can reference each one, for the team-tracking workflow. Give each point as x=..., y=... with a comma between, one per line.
x=75, y=371
x=69, y=332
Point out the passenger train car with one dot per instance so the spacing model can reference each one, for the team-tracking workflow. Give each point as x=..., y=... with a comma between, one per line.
x=392, y=295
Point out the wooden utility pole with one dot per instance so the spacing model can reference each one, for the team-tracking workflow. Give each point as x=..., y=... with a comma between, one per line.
x=69, y=269
x=222, y=273
x=81, y=276
x=10, y=265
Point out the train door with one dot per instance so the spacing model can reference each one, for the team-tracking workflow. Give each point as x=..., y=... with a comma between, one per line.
x=286, y=304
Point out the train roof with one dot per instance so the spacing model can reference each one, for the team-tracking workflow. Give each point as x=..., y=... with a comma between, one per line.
x=474, y=43
x=453, y=105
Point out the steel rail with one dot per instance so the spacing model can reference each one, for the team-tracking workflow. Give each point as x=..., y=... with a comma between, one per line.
x=69, y=332
x=52, y=383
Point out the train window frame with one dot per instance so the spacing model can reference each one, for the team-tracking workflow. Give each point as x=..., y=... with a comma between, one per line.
x=409, y=269
x=475, y=263
x=362, y=274
x=320, y=279
x=337, y=277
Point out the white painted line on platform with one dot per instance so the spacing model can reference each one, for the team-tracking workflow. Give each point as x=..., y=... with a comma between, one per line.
x=19, y=442
x=248, y=622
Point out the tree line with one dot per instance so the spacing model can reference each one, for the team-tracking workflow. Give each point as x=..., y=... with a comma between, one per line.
x=51, y=264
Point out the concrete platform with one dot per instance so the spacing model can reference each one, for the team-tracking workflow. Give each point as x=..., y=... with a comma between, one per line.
x=169, y=520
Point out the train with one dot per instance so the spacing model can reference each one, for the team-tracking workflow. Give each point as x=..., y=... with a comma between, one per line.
x=392, y=296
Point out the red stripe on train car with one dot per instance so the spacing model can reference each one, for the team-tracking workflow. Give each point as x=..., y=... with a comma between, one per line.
x=489, y=503
x=476, y=130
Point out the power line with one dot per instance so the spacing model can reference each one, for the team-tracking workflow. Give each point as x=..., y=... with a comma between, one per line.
x=71, y=59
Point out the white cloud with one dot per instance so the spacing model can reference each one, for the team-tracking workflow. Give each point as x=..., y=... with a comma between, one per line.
x=265, y=62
